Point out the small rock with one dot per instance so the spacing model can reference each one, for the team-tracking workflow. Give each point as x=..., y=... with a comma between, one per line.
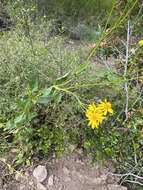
x=17, y=176
x=40, y=173
x=116, y=187
x=40, y=186
x=26, y=174
x=22, y=187
x=66, y=171
x=67, y=179
x=103, y=177
x=51, y=180
x=60, y=187
x=56, y=179
x=31, y=183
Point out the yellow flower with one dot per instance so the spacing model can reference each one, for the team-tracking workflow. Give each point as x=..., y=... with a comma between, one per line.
x=105, y=107
x=94, y=116
x=140, y=43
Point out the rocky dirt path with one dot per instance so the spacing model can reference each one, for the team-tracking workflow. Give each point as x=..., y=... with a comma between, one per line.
x=71, y=172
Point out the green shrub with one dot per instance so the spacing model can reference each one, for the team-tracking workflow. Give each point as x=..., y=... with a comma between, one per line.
x=45, y=89
x=27, y=58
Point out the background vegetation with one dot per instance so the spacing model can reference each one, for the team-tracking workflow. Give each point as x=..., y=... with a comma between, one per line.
x=47, y=81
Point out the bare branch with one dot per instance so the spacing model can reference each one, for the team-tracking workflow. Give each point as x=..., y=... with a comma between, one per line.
x=125, y=72
x=126, y=174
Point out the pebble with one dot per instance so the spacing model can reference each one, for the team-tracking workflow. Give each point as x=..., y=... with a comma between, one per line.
x=60, y=187
x=22, y=187
x=40, y=173
x=51, y=180
x=40, y=186
x=66, y=171
x=17, y=176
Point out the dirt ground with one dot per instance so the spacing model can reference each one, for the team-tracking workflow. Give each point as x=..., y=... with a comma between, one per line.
x=71, y=172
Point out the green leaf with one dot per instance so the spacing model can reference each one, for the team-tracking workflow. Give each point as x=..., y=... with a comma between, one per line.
x=10, y=125
x=1, y=125
x=28, y=130
x=46, y=92
x=87, y=145
x=20, y=158
x=20, y=119
x=44, y=100
x=46, y=96
x=58, y=98
x=33, y=85
x=21, y=103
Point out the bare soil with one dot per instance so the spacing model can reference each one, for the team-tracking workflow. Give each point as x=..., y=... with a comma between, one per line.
x=71, y=172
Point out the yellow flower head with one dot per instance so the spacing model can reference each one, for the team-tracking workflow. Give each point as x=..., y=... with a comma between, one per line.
x=140, y=43
x=94, y=116
x=96, y=113
x=105, y=107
